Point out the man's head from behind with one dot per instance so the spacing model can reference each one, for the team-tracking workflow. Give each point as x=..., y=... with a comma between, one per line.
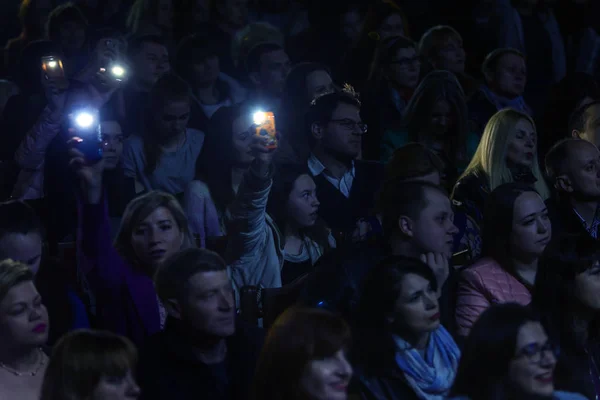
x=585, y=123
x=20, y=234
x=573, y=166
x=415, y=162
x=335, y=125
x=195, y=288
x=419, y=214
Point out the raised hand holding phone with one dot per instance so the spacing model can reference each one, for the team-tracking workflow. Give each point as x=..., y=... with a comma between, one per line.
x=90, y=175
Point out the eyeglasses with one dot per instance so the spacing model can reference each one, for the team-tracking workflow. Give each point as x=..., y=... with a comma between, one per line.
x=349, y=125
x=533, y=352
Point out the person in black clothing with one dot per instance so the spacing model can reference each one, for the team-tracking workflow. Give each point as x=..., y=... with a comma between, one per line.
x=268, y=66
x=566, y=296
x=573, y=167
x=202, y=352
x=585, y=123
x=347, y=186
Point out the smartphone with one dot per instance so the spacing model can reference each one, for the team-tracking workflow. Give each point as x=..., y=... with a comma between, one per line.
x=53, y=67
x=115, y=71
x=86, y=128
x=265, y=127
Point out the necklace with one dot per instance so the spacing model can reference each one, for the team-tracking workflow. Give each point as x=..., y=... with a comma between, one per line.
x=39, y=366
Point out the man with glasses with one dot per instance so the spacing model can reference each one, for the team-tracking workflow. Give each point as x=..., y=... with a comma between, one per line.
x=346, y=185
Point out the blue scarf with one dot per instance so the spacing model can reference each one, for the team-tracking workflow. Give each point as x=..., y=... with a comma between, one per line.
x=518, y=103
x=432, y=377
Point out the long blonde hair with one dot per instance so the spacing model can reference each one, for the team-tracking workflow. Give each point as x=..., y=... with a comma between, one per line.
x=139, y=209
x=490, y=158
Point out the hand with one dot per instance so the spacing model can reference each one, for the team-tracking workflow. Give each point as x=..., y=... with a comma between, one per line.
x=262, y=153
x=439, y=265
x=90, y=176
x=56, y=93
x=363, y=228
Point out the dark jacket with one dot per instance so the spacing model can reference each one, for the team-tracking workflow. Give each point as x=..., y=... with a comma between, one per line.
x=341, y=213
x=577, y=368
x=168, y=371
x=469, y=195
x=563, y=217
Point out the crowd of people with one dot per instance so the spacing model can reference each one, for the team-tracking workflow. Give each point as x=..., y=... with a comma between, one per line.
x=300, y=199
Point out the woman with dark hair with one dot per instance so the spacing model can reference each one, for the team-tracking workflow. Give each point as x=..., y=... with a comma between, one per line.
x=566, y=295
x=164, y=156
x=516, y=230
x=304, y=357
x=393, y=78
x=403, y=352
x=225, y=157
x=93, y=365
x=436, y=116
x=508, y=356
x=304, y=83
x=68, y=28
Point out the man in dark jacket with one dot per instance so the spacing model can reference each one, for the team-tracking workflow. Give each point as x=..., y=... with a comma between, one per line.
x=573, y=167
x=202, y=352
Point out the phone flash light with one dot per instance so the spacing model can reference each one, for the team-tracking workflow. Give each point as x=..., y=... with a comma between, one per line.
x=52, y=64
x=84, y=120
x=118, y=71
x=260, y=117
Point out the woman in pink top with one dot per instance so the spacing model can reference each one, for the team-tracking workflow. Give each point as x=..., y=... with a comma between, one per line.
x=515, y=233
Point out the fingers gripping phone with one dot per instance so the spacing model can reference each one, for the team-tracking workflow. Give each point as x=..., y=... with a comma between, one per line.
x=53, y=67
x=265, y=127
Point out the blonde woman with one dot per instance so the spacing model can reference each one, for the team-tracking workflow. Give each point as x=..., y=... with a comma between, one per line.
x=153, y=228
x=507, y=153
x=436, y=117
x=23, y=332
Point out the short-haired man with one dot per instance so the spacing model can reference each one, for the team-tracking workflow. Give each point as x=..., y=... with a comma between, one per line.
x=346, y=185
x=573, y=166
x=268, y=66
x=585, y=123
x=203, y=352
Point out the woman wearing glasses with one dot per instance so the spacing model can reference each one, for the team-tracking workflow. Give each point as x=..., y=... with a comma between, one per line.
x=508, y=355
x=436, y=117
x=567, y=295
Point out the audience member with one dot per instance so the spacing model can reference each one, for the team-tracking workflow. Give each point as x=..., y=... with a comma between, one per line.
x=268, y=66
x=508, y=355
x=441, y=48
x=23, y=332
x=163, y=157
x=151, y=17
x=102, y=362
x=203, y=351
x=246, y=39
x=153, y=227
x=573, y=167
x=304, y=356
x=572, y=93
x=226, y=156
x=198, y=64
x=516, y=230
x=584, y=123
x=436, y=116
x=392, y=80
x=346, y=184
x=403, y=351
x=305, y=82
x=505, y=76
x=67, y=27
x=566, y=295
x=507, y=153
x=21, y=239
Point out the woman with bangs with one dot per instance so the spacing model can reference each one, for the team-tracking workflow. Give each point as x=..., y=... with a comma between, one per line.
x=567, y=295
x=91, y=365
x=304, y=357
x=436, y=117
x=507, y=152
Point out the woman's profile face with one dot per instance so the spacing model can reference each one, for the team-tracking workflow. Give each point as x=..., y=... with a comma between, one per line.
x=416, y=307
x=156, y=237
x=327, y=378
x=405, y=68
x=531, y=369
x=531, y=227
x=172, y=119
x=318, y=83
x=23, y=318
x=117, y=388
x=442, y=118
x=587, y=287
x=303, y=204
x=391, y=26
x=242, y=139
